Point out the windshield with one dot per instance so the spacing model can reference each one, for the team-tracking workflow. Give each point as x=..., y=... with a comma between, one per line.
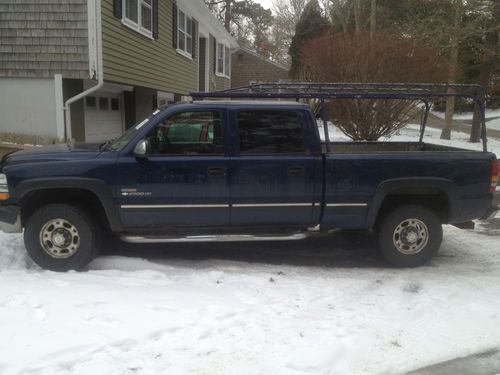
x=119, y=143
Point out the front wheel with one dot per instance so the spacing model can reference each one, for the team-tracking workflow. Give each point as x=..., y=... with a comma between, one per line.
x=410, y=236
x=61, y=237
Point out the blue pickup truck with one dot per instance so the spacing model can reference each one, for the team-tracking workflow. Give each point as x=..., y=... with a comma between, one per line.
x=231, y=170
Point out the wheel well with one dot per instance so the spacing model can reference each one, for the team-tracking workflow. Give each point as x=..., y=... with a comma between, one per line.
x=81, y=198
x=435, y=200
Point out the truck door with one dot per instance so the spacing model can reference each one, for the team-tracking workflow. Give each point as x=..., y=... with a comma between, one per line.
x=275, y=178
x=183, y=180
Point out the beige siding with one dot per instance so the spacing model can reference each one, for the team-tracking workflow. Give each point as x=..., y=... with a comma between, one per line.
x=131, y=58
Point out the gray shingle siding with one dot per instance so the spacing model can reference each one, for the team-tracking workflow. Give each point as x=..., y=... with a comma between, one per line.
x=39, y=38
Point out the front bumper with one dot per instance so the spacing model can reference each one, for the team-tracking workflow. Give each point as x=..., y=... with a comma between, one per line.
x=10, y=219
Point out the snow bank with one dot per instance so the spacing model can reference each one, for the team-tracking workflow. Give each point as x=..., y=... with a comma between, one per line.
x=170, y=315
x=12, y=253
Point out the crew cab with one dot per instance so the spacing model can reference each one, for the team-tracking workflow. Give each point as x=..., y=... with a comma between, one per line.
x=238, y=170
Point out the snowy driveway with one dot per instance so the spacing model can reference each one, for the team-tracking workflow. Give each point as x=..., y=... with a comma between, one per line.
x=322, y=306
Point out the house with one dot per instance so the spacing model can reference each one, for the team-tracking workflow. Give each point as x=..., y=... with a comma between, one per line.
x=249, y=67
x=89, y=69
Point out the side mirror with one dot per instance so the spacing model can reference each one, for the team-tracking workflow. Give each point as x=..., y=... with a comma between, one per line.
x=141, y=149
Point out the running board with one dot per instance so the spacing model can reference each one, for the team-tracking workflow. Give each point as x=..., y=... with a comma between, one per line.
x=215, y=238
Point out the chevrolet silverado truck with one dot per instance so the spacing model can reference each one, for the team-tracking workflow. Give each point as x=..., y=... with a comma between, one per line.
x=230, y=170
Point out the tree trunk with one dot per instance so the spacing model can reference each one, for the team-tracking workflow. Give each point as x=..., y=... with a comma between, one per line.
x=373, y=18
x=357, y=15
x=486, y=69
x=452, y=72
x=227, y=16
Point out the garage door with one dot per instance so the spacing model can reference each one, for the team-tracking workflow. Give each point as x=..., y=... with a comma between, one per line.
x=103, y=117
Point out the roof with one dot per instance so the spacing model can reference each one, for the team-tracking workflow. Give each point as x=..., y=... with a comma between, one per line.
x=250, y=52
x=199, y=10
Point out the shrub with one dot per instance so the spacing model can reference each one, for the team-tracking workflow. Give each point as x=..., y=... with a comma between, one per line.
x=383, y=58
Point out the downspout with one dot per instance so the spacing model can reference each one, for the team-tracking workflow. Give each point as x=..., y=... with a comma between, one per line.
x=100, y=76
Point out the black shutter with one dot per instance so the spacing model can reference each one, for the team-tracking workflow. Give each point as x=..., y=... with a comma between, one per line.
x=117, y=8
x=174, y=24
x=155, y=19
x=194, y=28
x=215, y=55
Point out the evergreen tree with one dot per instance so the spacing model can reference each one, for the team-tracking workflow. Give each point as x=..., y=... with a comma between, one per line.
x=311, y=24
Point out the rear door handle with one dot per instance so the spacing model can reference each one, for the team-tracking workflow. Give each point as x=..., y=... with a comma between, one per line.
x=296, y=171
x=216, y=171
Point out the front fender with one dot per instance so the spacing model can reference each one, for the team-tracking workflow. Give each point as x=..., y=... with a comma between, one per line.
x=98, y=187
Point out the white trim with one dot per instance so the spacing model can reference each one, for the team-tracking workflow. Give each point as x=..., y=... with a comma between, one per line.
x=346, y=204
x=245, y=205
x=58, y=85
x=210, y=24
x=237, y=205
x=228, y=49
x=92, y=39
x=187, y=55
x=187, y=33
x=137, y=26
x=139, y=206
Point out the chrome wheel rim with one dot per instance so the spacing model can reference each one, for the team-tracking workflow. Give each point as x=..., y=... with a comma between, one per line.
x=410, y=236
x=59, y=238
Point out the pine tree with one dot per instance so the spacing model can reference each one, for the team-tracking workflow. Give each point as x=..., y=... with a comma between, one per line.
x=311, y=24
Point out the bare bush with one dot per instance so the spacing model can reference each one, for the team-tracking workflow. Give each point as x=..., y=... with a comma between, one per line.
x=381, y=58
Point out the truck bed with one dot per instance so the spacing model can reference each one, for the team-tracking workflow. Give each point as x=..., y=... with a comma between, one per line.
x=371, y=147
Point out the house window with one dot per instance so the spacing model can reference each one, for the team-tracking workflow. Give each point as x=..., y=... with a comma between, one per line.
x=138, y=15
x=223, y=60
x=184, y=34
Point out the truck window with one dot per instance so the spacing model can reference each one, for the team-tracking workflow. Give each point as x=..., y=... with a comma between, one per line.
x=188, y=133
x=270, y=132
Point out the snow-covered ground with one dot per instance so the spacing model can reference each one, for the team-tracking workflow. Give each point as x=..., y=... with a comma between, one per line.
x=321, y=306
x=492, y=117
x=313, y=307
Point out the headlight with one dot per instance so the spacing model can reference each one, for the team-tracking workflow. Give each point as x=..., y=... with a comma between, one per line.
x=4, y=189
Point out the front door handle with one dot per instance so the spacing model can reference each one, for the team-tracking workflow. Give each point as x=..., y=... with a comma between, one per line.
x=296, y=171
x=216, y=171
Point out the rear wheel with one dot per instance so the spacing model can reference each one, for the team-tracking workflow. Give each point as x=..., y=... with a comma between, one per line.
x=410, y=236
x=61, y=237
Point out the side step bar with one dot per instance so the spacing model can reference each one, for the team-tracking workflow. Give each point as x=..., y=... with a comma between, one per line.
x=215, y=238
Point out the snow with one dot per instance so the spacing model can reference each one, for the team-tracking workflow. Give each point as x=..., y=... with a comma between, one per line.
x=321, y=306
x=411, y=133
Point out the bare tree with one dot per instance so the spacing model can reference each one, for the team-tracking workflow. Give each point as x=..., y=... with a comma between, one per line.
x=453, y=68
x=373, y=17
x=349, y=58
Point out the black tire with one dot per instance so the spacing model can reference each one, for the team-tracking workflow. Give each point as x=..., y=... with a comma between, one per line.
x=398, y=231
x=83, y=236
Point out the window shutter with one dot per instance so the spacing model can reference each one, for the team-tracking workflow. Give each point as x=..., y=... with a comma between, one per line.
x=155, y=19
x=215, y=55
x=174, y=24
x=194, y=29
x=117, y=8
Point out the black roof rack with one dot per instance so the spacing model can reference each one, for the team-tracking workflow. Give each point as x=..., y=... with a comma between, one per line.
x=423, y=92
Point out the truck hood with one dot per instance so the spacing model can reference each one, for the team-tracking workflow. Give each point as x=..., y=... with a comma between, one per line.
x=59, y=152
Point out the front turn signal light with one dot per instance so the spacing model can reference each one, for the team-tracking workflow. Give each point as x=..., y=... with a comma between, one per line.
x=494, y=176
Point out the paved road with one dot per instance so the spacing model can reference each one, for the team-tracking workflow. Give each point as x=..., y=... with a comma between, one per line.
x=487, y=363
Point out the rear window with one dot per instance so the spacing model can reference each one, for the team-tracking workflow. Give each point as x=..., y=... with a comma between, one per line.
x=270, y=132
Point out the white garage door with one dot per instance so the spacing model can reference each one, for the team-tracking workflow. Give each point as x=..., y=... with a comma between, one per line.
x=103, y=117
